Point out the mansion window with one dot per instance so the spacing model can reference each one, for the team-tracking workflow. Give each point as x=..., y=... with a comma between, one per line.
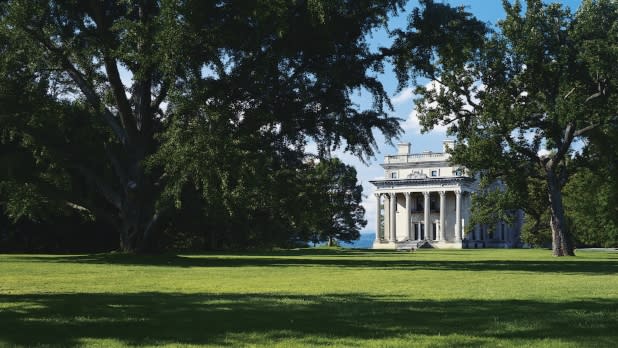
x=419, y=204
x=394, y=175
x=434, y=173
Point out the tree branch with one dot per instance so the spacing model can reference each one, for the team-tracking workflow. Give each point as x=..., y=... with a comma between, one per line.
x=563, y=147
x=150, y=226
x=594, y=96
x=521, y=149
x=97, y=213
x=112, y=197
x=116, y=165
x=568, y=94
x=113, y=76
x=581, y=131
x=78, y=207
x=84, y=86
x=162, y=95
x=126, y=115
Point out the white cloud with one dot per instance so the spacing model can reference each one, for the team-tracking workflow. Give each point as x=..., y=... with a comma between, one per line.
x=404, y=96
x=412, y=123
x=543, y=152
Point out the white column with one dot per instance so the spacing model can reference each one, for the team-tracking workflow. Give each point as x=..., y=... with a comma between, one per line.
x=387, y=217
x=393, y=201
x=458, y=216
x=408, y=214
x=427, y=223
x=441, y=235
x=378, y=216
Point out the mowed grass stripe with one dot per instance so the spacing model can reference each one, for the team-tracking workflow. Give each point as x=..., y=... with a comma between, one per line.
x=311, y=297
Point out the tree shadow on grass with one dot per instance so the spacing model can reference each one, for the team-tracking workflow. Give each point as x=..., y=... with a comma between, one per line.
x=349, y=259
x=265, y=319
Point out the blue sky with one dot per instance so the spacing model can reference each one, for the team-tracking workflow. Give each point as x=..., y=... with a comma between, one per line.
x=489, y=11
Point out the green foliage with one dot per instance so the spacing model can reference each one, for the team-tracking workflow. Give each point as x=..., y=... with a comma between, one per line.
x=334, y=197
x=37, y=130
x=539, y=83
x=246, y=188
x=536, y=230
x=491, y=204
x=591, y=195
x=216, y=99
x=592, y=205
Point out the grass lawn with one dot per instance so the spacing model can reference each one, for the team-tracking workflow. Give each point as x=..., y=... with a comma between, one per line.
x=311, y=297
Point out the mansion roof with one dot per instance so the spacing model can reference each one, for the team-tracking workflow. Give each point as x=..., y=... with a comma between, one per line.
x=428, y=170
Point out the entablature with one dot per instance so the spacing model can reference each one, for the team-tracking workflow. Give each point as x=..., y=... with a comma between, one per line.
x=463, y=183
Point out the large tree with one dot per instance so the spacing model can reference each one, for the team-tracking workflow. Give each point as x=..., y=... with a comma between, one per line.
x=591, y=196
x=519, y=99
x=333, y=200
x=260, y=77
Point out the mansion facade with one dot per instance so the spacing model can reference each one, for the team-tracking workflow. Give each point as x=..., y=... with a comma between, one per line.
x=423, y=200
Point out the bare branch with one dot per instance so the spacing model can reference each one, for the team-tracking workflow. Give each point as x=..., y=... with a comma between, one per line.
x=581, y=131
x=78, y=207
x=94, y=211
x=112, y=197
x=150, y=226
x=594, y=96
x=126, y=115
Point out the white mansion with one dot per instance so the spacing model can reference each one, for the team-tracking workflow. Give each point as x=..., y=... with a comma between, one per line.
x=426, y=200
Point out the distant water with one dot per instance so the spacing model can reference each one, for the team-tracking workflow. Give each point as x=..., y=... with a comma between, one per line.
x=365, y=242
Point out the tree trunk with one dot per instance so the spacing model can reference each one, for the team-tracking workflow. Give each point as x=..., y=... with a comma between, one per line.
x=331, y=241
x=137, y=215
x=561, y=239
x=132, y=232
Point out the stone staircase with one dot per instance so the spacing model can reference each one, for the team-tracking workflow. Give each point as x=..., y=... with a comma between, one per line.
x=414, y=244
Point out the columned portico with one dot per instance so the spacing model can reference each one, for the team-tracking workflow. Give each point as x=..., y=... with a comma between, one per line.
x=408, y=211
x=412, y=217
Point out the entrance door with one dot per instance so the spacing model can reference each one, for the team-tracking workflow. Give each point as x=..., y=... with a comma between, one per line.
x=418, y=230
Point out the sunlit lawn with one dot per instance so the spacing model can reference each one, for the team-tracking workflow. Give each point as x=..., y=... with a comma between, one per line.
x=310, y=298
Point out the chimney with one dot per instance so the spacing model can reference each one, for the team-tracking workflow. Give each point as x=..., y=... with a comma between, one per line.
x=403, y=148
x=447, y=144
